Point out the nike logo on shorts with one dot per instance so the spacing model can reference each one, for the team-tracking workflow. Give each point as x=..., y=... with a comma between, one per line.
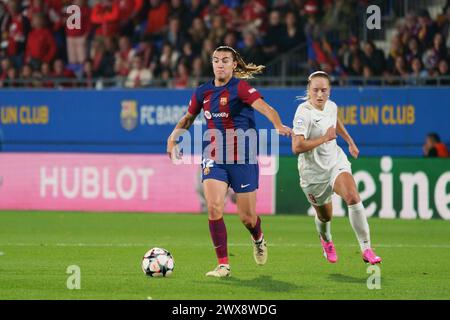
x=244, y=185
x=205, y=101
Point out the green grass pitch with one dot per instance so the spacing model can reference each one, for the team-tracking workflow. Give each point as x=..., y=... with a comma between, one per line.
x=37, y=247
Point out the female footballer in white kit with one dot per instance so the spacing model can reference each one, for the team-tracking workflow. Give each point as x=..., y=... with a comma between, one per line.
x=324, y=168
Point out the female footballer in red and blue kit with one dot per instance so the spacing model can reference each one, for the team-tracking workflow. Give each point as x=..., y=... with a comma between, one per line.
x=228, y=104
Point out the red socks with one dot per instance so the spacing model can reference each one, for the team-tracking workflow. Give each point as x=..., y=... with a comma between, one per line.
x=219, y=238
x=256, y=230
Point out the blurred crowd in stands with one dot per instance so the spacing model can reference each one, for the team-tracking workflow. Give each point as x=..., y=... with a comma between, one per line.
x=142, y=41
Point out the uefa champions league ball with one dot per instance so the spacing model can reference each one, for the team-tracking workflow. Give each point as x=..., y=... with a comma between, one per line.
x=157, y=262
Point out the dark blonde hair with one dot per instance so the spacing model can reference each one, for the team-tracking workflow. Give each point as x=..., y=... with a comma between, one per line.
x=243, y=70
x=315, y=74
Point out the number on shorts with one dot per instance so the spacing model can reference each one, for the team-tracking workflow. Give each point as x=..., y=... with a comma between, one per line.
x=207, y=163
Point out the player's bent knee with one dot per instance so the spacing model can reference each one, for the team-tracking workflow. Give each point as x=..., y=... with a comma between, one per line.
x=324, y=219
x=215, y=211
x=351, y=198
x=248, y=220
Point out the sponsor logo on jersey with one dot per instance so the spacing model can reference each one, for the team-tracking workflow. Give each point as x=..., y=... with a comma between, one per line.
x=223, y=101
x=209, y=115
x=129, y=114
x=252, y=90
x=300, y=121
x=220, y=114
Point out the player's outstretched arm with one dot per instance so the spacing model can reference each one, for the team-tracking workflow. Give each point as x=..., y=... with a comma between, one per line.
x=261, y=106
x=184, y=124
x=352, y=148
x=300, y=144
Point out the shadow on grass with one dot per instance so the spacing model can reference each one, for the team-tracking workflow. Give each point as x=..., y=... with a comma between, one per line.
x=337, y=277
x=263, y=283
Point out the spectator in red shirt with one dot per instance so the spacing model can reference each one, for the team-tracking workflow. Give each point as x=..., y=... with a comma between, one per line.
x=41, y=46
x=77, y=38
x=105, y=16
x=17, y=31
x=128, y=11
x=157, y=18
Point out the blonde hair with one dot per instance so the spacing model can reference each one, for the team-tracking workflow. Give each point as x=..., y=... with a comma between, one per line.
x=243, y=70
x=315, y=74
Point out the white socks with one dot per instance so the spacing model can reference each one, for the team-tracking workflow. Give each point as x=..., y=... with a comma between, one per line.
x=323, y=228
x=358, y=220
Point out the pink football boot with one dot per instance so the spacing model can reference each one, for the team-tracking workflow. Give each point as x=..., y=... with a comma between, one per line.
x=329, y=251
x=369, y=256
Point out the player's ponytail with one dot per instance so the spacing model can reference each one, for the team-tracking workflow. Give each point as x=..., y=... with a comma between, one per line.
x=316, y=74
x=243, y=70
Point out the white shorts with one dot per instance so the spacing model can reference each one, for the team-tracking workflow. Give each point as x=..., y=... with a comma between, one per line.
x=319, y=194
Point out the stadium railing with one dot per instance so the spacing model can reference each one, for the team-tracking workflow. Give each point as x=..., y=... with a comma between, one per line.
x=261, y=81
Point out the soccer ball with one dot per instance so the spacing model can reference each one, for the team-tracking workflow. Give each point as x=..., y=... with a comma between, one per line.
x=157, y=262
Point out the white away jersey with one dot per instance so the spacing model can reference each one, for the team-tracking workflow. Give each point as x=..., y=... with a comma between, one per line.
x=315, y=166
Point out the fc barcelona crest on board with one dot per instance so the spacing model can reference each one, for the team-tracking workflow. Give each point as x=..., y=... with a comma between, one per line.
x=129, y=114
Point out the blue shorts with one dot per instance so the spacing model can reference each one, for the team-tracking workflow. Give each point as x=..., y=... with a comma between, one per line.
x=241, y=177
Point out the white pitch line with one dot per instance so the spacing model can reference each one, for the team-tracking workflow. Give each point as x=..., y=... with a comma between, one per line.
x=306, y=245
